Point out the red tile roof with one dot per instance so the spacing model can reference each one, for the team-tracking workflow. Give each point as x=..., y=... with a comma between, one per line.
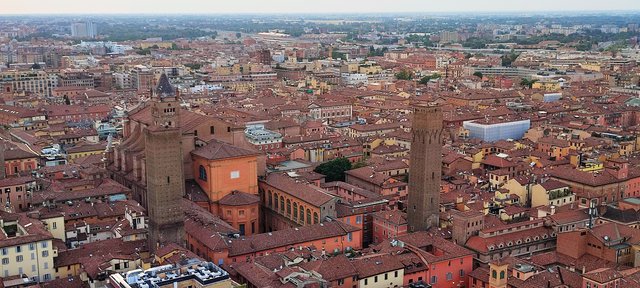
x=332, y=268
x=217, y=150
x=238, y=198
x=369, y=266
x=288, y=237
x=300, y=189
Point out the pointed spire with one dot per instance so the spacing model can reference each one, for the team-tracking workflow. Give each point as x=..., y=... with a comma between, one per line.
x=164, y=88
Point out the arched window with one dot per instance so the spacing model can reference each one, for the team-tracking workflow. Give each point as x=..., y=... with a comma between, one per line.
x=288, y=207
x=308, y=216
x=203, y=173
x=275, y=197
x=494, y=274
x=315, y=217
x=295, y=211
x=501, y=274
x=270, y=198
x=301, y=214
x=281, y=204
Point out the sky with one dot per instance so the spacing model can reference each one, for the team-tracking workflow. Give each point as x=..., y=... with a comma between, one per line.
x=305, y=6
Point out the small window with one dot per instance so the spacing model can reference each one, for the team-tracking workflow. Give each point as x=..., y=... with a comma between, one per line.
x=235, y=174
x=202, y=173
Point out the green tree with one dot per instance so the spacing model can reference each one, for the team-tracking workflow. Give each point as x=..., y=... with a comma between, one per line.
x=338, y=55
x=145, y=51
x=404, y=75
x=475, y=43
x=478, y=74
x=334, y=169
x=238, y=35
x=193, y=66
x=359, y=164
x=528, y=82
x=424, y=80
x=507, y=59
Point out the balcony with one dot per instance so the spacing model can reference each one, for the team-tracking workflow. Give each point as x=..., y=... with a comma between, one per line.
x=557, y=194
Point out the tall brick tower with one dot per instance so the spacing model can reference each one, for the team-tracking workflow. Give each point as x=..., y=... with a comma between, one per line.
x=426, y=168
x=165, y=178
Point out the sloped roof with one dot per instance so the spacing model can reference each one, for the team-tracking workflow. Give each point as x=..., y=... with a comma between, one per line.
x=215, y=150
x=238, y=198
x=164, y=88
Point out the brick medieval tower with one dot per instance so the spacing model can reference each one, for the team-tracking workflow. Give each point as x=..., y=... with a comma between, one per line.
x=426, y=168
x=165, y=178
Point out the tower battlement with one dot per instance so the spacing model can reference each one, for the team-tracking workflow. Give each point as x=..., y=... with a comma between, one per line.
x=426, y=168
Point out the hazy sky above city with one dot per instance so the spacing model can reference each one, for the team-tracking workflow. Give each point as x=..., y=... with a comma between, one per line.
x=306, y=6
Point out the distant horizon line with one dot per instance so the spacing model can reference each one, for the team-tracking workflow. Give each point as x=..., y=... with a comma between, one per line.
x=484, y=13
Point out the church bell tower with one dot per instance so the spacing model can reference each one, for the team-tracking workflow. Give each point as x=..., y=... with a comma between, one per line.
x=165, y=178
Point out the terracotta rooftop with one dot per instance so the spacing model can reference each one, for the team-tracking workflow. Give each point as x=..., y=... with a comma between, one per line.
x=603, y=275
x=300, y=189
x=217, y=150
x=239, y=198
x=288, y=237
x=394, y=217
x=35, y=230
x=375, y=265
x=332, y=268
